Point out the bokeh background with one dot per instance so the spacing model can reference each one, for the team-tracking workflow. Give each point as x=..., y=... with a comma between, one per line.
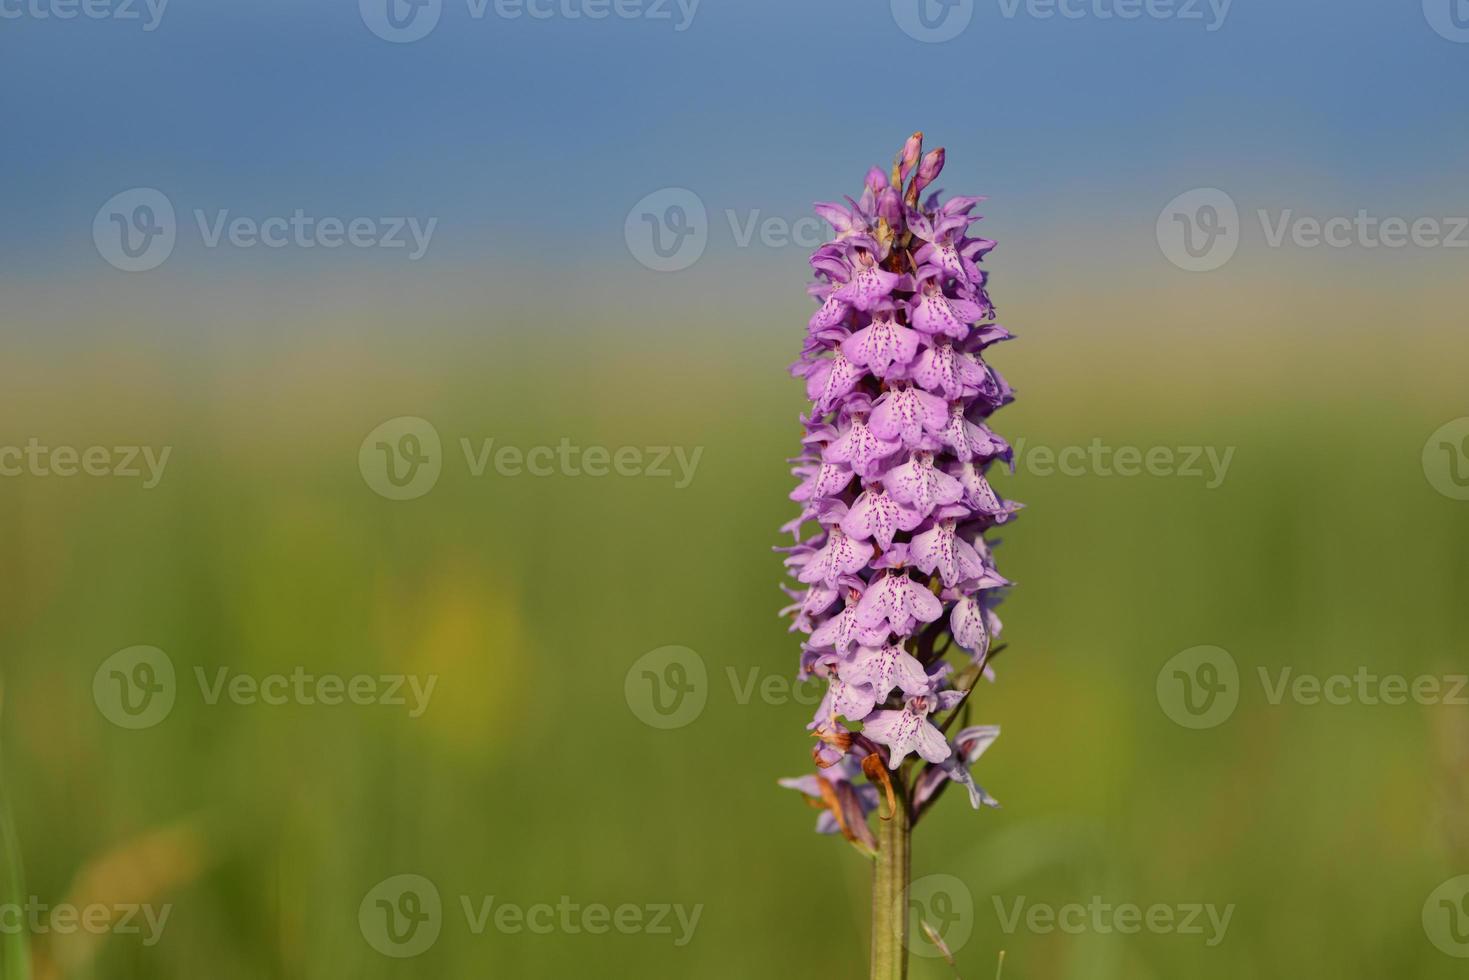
x=1333, y=542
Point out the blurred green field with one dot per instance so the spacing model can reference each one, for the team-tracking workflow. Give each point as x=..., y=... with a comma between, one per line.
x=529, y=778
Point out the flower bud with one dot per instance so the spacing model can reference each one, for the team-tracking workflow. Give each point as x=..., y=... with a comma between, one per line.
x=890, y=208
x=929, y=169
x=908, y=159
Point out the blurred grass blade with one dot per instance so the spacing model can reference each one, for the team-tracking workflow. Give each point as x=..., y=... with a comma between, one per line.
x=14, y=954
x=943, y=947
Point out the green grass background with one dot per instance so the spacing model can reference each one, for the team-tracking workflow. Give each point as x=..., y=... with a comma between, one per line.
x=529, y=778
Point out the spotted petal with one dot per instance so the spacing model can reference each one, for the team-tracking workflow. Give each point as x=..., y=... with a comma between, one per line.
x=883, y=347
x=885, y=667
x=917, y=484
x=876, y=516
x=906, y=413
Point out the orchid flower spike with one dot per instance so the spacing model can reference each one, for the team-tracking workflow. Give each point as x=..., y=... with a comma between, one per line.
x=893, y=575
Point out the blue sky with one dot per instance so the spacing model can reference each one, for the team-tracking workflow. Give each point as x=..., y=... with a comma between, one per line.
x=537, y=135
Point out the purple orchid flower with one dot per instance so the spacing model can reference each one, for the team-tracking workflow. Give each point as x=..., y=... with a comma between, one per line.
x=936, y=313
x=870, y=284
x=895, y=476
x=917, y=483
x=882, y=344
x=877, y=517
x=968, y=745
x=910, y=729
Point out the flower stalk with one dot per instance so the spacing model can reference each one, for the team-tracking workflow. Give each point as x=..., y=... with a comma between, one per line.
x=891, y=872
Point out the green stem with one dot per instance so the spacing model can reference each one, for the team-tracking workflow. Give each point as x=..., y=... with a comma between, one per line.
x=890, y=893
